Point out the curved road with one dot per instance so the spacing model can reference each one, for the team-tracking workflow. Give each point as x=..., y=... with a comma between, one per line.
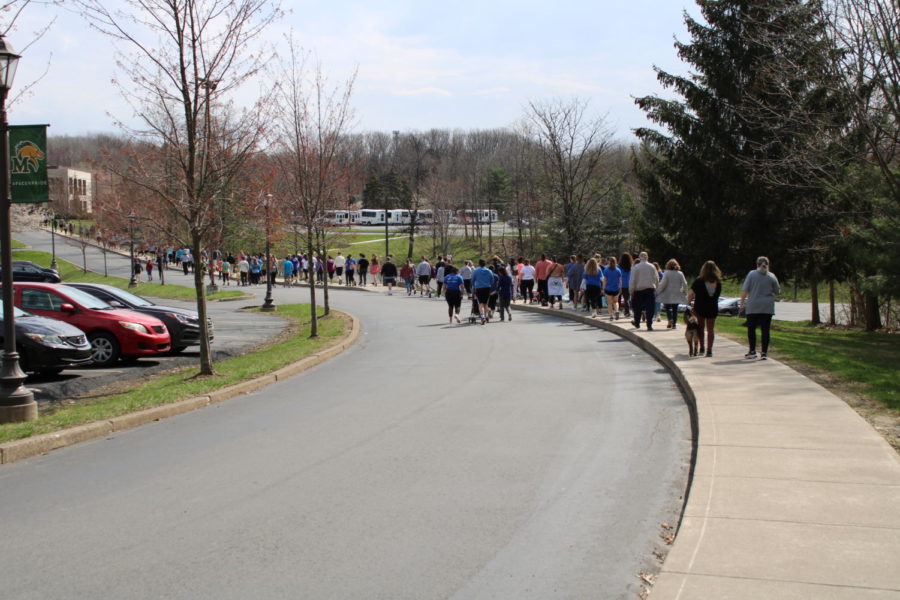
x=531, y=459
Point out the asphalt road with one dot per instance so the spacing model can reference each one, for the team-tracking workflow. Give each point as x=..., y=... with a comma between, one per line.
x=235, y=330
x=531, y=459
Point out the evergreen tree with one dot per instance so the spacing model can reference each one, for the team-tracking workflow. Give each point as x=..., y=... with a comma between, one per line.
x=707, y=193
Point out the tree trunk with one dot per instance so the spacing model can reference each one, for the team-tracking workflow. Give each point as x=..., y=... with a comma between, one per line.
x=313, y=315
x=872, y=315
x=831, y=316
x=814, y=296
x=206, y=364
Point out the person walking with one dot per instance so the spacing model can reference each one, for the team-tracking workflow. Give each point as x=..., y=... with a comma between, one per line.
x=288, y=271
x=408, y=274
x=672, y=291
x=149, y=270
x=374, y=269
x=625, y=264
x=466, y=273
x=423, y=271
x=528, y=275
x=505, y=288
x=362, y=269
x=556, y=287
x=482, y=282
x=574, y=273
x=643, y=284
x=593, y=284
x=541, y=271
x=612, y=285
x=389, y=275
x=704, y=298
x=349, y=269
x=758, y=302
x=454, y=285
x=339, y=267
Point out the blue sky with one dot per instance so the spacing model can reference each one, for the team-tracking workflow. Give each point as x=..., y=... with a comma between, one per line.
x=421, y=64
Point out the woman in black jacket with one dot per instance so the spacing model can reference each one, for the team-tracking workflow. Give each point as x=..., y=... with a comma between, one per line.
x=704, y=297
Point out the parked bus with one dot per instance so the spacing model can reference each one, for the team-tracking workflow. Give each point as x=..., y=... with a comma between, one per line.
x=337, y=217
x=399, y=217
x=425, y=217
x=369, y=216
x=479, y=216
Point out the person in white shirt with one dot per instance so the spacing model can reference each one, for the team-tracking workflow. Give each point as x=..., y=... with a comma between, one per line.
x=339, y=266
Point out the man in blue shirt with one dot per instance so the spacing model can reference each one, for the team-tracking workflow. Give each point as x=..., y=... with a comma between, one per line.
x=482, y=282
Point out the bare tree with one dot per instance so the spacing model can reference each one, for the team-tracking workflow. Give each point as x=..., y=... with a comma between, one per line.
x=312, y=119
x=572, y=148
x=187, y=58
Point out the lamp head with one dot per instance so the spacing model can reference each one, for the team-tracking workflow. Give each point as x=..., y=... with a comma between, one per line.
x=9, y=60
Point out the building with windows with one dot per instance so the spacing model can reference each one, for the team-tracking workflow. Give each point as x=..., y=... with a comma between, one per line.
x=71, y=191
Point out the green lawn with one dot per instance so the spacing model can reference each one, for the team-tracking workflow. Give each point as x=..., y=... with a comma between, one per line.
x=73, y=273
x=184, y=383
x=865, y=362
x=732, y=287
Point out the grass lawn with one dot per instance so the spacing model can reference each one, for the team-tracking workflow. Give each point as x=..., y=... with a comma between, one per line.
x=460, y=248
x=864, y=363
x=290, y=347
x=73, y=273
x=732, y=287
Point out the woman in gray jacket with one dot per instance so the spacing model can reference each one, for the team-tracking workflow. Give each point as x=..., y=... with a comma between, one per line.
x=672, y=291
x=758, y=301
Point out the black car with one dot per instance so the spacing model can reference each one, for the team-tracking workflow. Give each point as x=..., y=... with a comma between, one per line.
x=183, y=324
x=47, y=346
x=25, y=270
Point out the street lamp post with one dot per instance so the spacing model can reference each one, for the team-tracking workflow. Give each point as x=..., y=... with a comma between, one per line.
x=268, y=303
x=53, y=264
x=132, y=283
x=16, y=401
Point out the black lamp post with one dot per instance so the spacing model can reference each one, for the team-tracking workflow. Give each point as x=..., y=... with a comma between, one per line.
x=16, y=401
x=53, y=264
x=132, y=283
x=268, y=303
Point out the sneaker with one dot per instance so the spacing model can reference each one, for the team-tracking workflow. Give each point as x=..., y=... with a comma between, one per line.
x=457, y=318
x=709, y=354
x=702, y=350
x=617, y=315
x=762, y=356
x=751, y=354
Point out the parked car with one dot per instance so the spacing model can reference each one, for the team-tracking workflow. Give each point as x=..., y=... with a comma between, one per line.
x=183, y=324
x=113, y=332
x=727, y=306
x=47, y=346
x=25, y=270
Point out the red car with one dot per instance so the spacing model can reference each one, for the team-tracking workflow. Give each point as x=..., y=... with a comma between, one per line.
x=113, y=332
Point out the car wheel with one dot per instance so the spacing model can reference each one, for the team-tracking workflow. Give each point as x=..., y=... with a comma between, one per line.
x=104, y=348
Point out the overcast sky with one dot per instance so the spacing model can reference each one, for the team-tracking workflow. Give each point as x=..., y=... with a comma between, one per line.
x=466, y=64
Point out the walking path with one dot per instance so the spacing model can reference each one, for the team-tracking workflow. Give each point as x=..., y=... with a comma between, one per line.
x=793, y=495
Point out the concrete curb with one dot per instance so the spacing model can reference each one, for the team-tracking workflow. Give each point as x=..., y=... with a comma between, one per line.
x=41, y=444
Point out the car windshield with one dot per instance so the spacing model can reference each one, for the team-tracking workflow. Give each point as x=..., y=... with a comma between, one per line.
x=131, y=298
x=84, y=299
x=17, y=312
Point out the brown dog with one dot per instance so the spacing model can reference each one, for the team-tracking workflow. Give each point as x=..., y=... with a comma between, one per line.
x=692, y=333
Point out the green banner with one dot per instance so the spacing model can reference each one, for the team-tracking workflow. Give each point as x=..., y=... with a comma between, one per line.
x=28, y=163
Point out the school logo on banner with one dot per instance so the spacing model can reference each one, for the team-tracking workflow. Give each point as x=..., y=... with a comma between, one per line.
x=28, y=163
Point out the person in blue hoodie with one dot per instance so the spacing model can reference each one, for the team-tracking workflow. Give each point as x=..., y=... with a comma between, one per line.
x=504, y=293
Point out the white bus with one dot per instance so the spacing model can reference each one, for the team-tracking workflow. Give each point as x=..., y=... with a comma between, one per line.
x=479, y=216
x=337, y=217
x=425, y=217
x=399, y=217
x=369, y=216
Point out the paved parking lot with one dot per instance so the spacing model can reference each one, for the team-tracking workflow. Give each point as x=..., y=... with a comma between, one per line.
x=235, y=329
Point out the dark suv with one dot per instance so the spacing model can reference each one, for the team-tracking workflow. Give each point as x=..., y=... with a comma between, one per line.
x=25, y=270
x=183, y=324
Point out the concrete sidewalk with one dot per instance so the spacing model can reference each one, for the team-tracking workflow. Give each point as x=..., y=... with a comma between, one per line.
x=793, y=495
